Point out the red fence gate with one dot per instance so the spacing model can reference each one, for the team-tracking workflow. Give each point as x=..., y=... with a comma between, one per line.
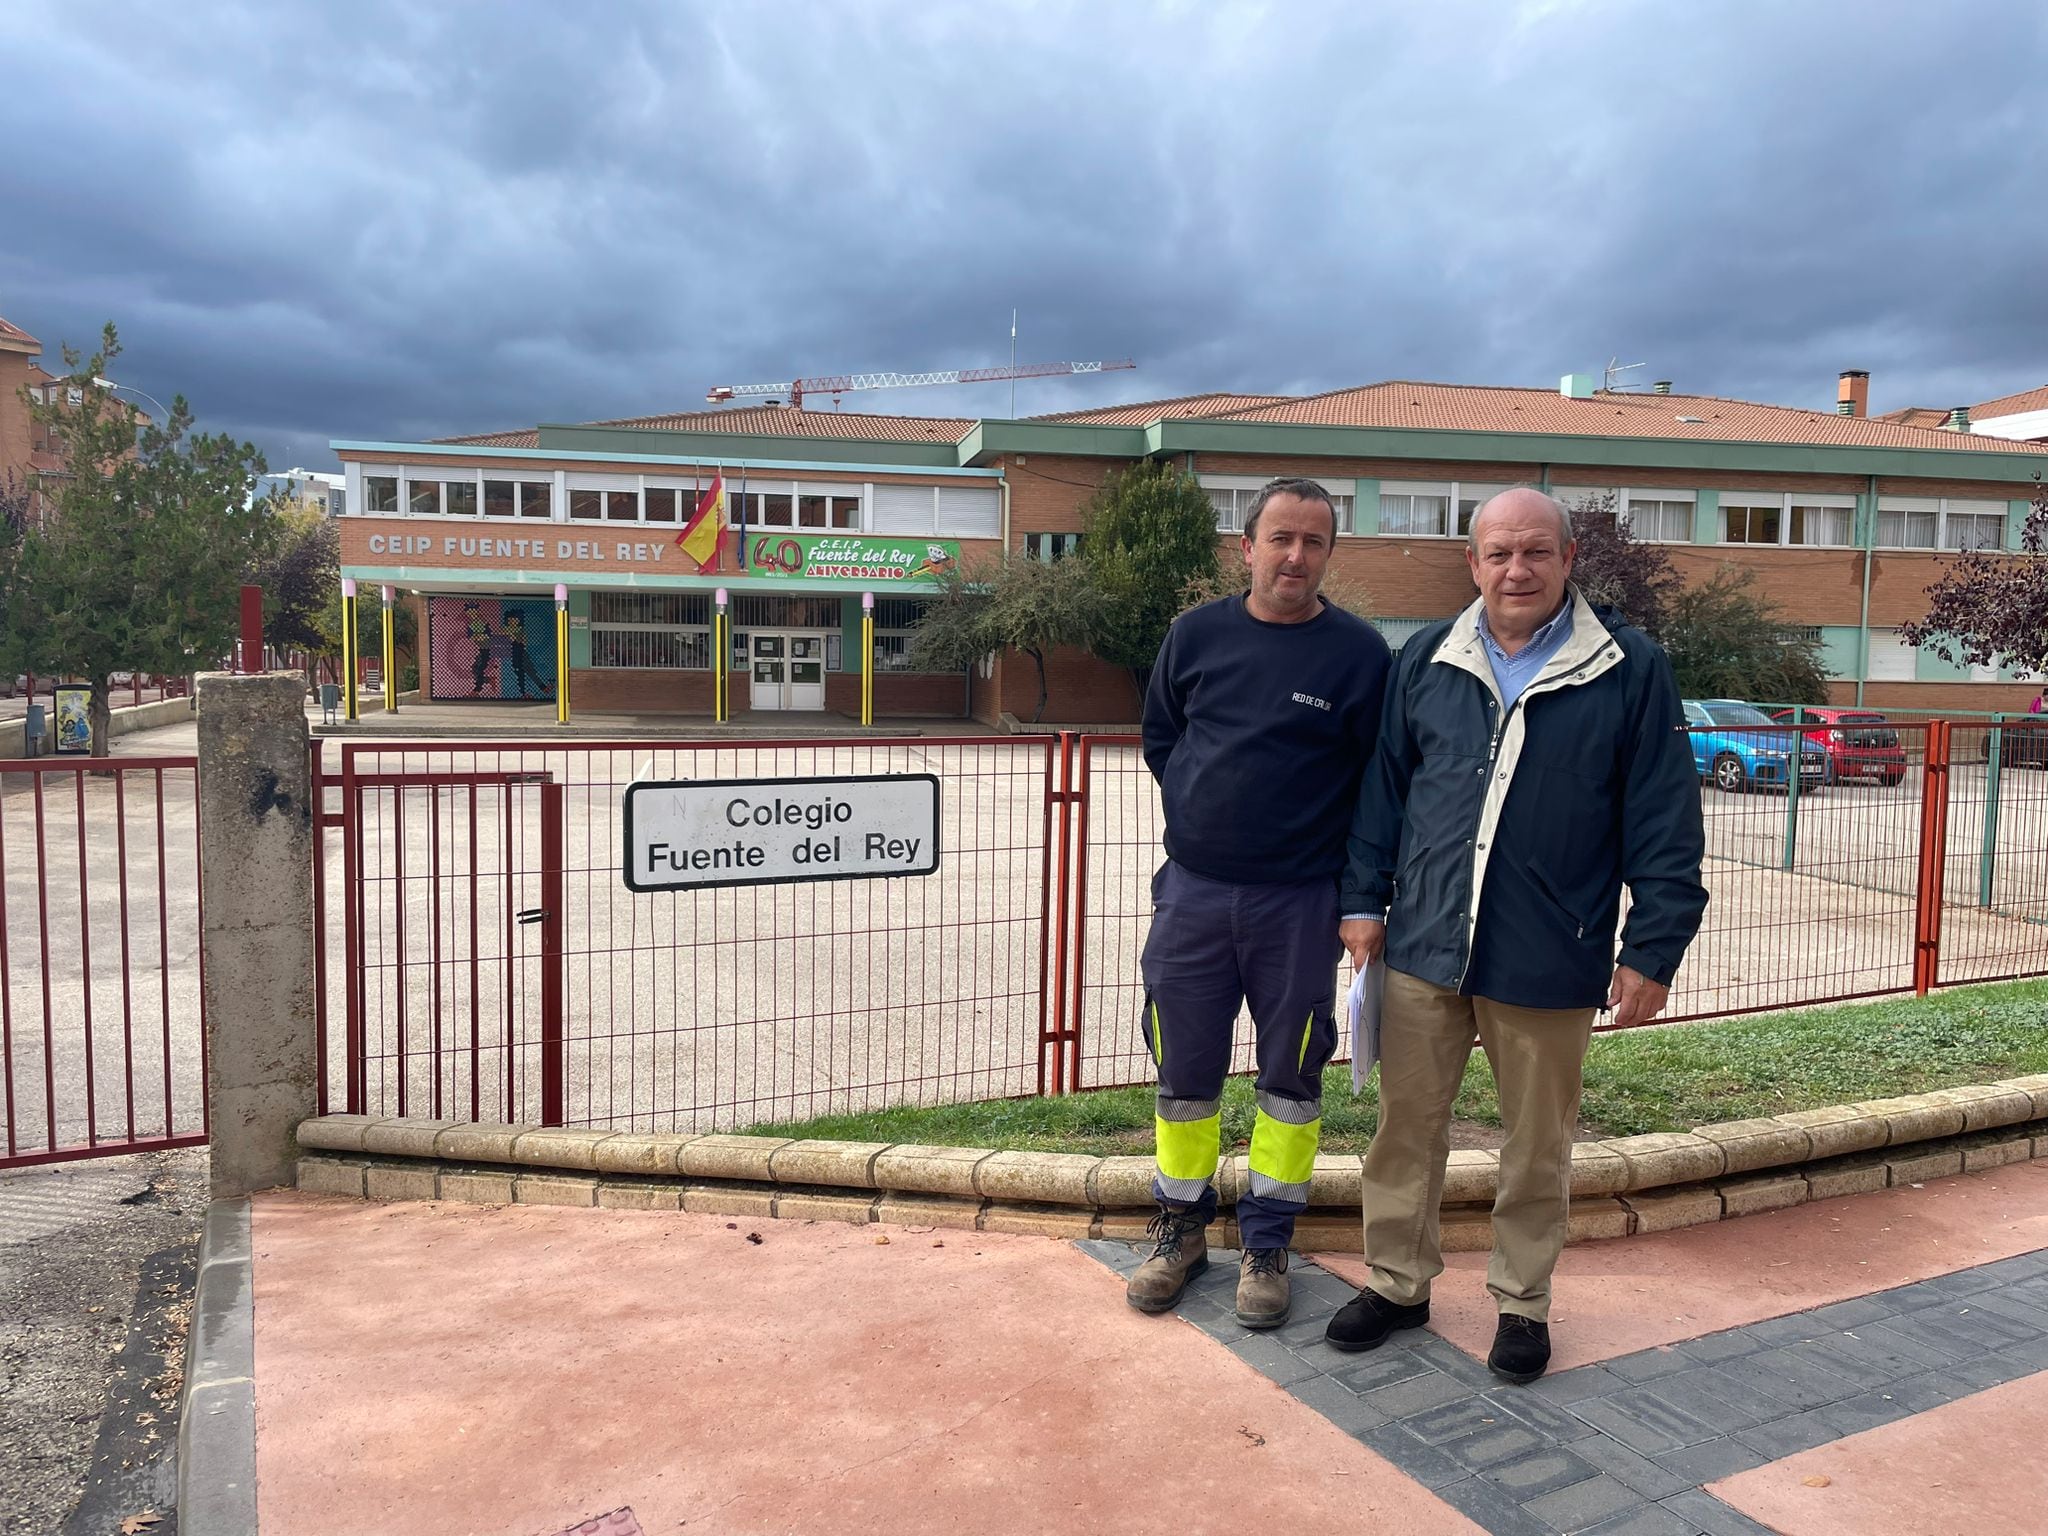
x=102, y=1039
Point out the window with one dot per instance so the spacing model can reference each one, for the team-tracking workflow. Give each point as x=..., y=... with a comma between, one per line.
x=1928, y=522
x=896, y=621
x=1822, y=521
x=380, y=493
x=460, y=498
x=1751, y=520
x=1232, y=497
x=424, y=498
x=905, y=509
x=1416, y=511
x=1051, y=546
x=622, y=506
x=586, y=504
x=536, y=498
x=1973, y=525
x=811, y=511
x=501, y=498
x=1891, y=659
x=1904, y=523
x=661, y=504
x=1661, y=519
x=651, y=629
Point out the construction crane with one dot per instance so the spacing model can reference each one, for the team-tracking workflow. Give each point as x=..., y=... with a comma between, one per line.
x=837, y=384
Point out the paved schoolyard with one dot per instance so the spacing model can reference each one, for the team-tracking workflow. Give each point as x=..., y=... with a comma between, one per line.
x=1851, y=1367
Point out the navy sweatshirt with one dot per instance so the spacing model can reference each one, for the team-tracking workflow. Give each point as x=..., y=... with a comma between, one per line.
x=1258, y=734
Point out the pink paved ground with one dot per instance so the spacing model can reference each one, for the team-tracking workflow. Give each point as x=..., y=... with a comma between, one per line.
x=507, y=1371
x=1971, y=1465
x=1613, y=1298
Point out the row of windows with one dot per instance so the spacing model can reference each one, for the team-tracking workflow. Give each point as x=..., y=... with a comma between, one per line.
x=954, y=511
x=673, y=629
x=1445, y=509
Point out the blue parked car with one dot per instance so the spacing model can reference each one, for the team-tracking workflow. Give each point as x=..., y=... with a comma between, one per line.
x=1743, y=748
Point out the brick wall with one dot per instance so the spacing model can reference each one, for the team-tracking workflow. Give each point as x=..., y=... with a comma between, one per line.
x=1047, y=491
x=15, y=372
x=1080, y=689
x=986, y=693
x=644, y=691
x=899, y=694
x=2011, y=697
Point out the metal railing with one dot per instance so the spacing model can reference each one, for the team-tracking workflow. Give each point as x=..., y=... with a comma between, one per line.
x=102, y=1039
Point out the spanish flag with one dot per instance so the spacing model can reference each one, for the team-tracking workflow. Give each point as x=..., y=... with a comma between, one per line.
x=703, y=535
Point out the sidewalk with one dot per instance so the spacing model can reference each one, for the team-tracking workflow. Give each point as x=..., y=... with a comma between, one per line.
x=521, y=1369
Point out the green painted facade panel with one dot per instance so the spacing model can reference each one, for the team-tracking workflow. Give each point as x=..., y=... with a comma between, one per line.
x=1841, y=650
x=1706, y=518
x=2016, y=512
x=734, y=449
x=579, y=634
x=1365, y=508
x=1928, y=667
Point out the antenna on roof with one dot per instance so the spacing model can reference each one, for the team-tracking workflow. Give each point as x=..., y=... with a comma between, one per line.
x=1615, y=369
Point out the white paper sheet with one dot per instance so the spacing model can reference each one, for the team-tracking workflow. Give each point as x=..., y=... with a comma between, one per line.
x=1368, y=988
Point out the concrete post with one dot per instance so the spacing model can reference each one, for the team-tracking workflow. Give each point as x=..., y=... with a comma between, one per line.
x=256, y=861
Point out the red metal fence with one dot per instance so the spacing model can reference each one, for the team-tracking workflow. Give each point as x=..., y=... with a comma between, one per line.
x=102, y=1041
x=493, y=965
x=490, y=963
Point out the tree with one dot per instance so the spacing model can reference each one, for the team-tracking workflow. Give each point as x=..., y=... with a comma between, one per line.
x=1728, y=641
x=1234, y=576
x=1147, y=534
x=139, y=562
x=1988, y=608
x=301, y=577
x=1616, y=569
x=369, y=628
x=1030, y=605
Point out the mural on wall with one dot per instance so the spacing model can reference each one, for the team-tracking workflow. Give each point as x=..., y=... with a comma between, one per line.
x=491, y=648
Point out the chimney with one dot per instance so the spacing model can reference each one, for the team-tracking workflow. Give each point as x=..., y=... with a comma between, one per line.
x=1576, y=386
x=1852, y=393
x=1958, y=418
x=1661, y=387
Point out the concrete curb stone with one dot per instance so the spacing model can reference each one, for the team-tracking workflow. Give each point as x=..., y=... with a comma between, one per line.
x=217, y=1408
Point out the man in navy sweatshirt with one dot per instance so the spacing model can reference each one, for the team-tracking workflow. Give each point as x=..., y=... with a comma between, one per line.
x=1262, y=711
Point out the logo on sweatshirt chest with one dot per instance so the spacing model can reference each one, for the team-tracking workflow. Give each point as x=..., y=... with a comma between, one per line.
x=1311, y=700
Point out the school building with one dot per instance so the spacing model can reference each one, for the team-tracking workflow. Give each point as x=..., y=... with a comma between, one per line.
x=848, y=516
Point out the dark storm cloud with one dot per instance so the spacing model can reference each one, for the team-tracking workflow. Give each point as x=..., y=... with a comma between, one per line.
x=399, y=221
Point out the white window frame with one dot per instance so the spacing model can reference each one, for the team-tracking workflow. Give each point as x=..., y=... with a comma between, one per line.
x=1624, y=510
x=628, y=629
x=1942, y=507
x=1243, y=488
x=1784, y=502
x=1445, y=491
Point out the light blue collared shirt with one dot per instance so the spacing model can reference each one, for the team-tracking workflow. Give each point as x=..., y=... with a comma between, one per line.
x=1512, y=674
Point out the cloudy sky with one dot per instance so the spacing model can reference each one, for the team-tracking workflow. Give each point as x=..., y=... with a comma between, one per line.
x=412, y=219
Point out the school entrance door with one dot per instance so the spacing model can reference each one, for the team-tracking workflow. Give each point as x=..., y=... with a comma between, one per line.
x=788, y=671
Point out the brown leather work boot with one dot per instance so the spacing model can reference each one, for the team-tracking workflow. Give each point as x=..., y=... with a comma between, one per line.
x=1180, y=1251
x=1262, y=1288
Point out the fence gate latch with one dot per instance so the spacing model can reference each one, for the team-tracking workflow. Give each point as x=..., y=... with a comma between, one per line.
x=534, y=915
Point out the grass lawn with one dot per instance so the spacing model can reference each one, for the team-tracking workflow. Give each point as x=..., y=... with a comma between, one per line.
x=1643, y=1080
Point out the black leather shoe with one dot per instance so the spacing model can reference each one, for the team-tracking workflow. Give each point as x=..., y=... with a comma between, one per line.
x=1521, y=1348
x=1366, y=1319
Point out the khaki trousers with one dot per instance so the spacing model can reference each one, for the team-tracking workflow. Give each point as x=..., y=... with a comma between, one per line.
x=1538, y=1057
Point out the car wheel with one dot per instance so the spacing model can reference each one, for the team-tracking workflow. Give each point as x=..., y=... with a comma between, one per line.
x=1729, y=775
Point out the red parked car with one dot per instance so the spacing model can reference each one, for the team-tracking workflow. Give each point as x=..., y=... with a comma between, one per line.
x=1859, y=744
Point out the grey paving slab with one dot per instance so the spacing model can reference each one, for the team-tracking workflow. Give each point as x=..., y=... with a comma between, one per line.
x=1644, y=1422
x=1777, y=1374
x=1865, y=1412
x=1960, y=1326
x=1794, y=1329
x=1425, y=1463
x=1567, y=1387
x=1380, y=1368
x=1339, y=1404
x=1625, y=1466
x=1456, y=1364
x=1711, y=1459
x=1694, y=1392
x=1650, y=1520
x=1492, y=1509
x=2008, y=1304
x=1467, y=1416
x=1541, y=1414
x=1788, y=1437
x=1878, y=1348
x=1649, y=1364
x=1418, y=1394
x=1857, y=1310
x=1920, y=1393
x=1967, y=1282
x=1496, y=1446
x=1584, y=1504
x=1270, y=1357
x=1711, y=1517
x=1536, y=1473
x=1719, y=1346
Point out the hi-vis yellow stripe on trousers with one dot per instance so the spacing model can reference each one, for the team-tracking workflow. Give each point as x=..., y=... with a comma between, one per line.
x=1187, y=1142
x=1285, y=1134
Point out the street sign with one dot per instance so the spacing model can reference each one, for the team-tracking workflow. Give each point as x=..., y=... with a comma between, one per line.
x=693, y=833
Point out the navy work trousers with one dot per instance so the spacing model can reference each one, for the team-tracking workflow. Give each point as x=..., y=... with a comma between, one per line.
x=1214, y=947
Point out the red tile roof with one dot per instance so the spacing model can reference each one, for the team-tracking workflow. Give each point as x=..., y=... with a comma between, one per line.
x=521, y=437
x=14, y=338
x=1914, y=416
x=788, y=421
x=2012, y=405
x=1487, y=408
x=1143, y=413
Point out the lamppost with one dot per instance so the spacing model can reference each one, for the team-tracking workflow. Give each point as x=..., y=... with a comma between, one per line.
x=110, y=385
